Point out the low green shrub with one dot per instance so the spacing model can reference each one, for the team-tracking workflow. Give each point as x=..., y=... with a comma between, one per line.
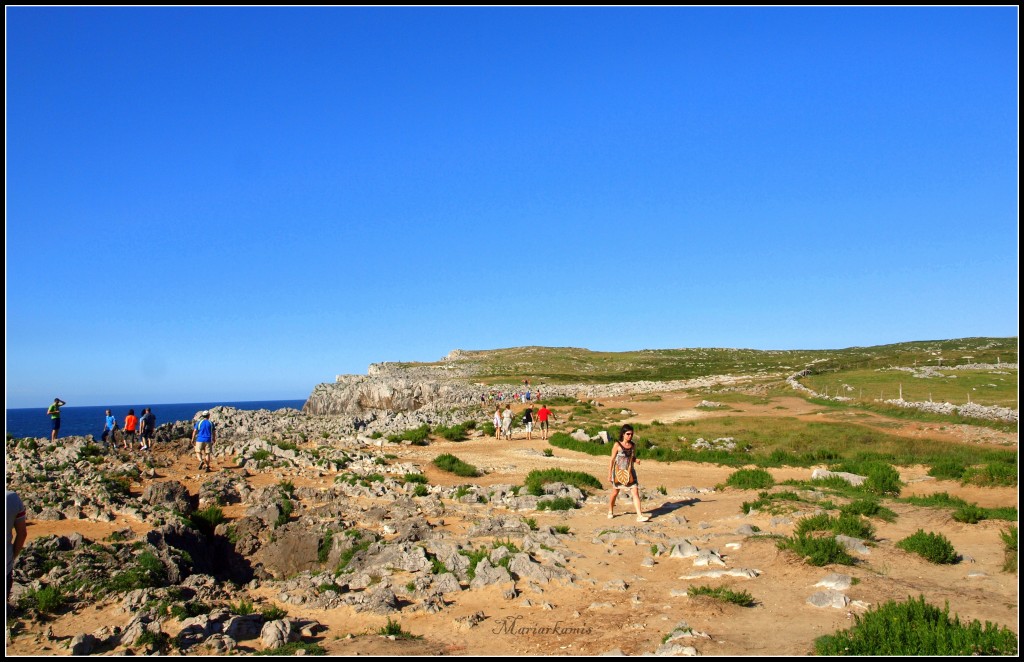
x=323, y=550
x=916, y=628
x=46, y=600
x=242, y=608
x=933, y=547
x=261, y=455
x=273, y=613
x=994, y=474
x=287, y=508
x=455, y=432
x=869, y=508
x=145, y=571
x=769, y=502
x=450, y=463
x=817, y=551
x=559, y=503
x=207, y=519
x=536, y=479
x=948, y=470
x=475, y=557
x=1009, y=537
x=394, y=629
x=970, y=514
x=750, y=479
x=883, y=479
x=741, y=598
x=416, y=436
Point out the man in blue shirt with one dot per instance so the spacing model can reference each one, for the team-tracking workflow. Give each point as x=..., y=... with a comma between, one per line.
x=204, y=434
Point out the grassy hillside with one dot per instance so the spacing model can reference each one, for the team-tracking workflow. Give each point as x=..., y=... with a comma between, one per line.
x=559, y=365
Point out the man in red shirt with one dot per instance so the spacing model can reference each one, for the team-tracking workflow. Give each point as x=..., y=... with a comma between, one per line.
x=543, y=414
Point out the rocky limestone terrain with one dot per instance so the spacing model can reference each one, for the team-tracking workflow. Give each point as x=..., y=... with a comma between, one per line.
x=314, y=529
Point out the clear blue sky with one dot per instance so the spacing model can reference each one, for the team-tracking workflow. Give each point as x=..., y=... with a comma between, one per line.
x=233, y=204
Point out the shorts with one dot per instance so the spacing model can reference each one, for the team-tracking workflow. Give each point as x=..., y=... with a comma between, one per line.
x=56, y=425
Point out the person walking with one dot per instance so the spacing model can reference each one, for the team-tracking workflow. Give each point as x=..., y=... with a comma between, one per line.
x=147, y=425
x=109, y=426
x=204, y=435
x=131, y=423
x=16, y=523
x=54, y=413
x=622, y=474
x=528, y=422
x=506, y=422
x=543, y=414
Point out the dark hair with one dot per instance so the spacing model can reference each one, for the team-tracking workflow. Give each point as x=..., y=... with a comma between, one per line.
x=625, y=428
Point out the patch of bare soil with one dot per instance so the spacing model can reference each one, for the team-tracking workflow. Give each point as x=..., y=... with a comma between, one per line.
x=629, y=593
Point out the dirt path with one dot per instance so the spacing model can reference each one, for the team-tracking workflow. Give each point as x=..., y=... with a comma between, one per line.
x=630, y=594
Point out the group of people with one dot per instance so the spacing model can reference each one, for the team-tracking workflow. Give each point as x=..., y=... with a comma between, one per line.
x=503, y=421
x=142, y=429
x=136, y=428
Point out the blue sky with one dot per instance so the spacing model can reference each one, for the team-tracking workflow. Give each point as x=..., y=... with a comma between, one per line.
x=232, y=204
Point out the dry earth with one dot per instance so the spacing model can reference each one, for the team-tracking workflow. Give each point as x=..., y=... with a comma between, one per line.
x=601, y=614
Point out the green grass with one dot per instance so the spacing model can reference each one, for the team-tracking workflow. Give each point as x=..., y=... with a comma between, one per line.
x=817, y=550
x=933, y=547
x=984, y=387
x=45, y=600
x=536, y=479
x=777, y=441
x=775, y=503
x=846, y=524
x=559, y=503
x=475, y=557
x=1009, y=538
x=575, y=365
x=394, y=629
x=287, y=508
x=869, y=507
x=741, y=598
x=750, y=479
x=416, y=436
x=243, y=607
x=918, y=629
x=456, y=432
x=145, y=571
x=207, y=519
x=359, y=545
x=964, y=511
x=451, y=464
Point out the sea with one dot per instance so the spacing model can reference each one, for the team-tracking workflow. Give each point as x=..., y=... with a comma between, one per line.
x=81, y=421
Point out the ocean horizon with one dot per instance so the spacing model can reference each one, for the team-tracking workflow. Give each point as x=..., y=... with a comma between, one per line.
x=82, y=421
